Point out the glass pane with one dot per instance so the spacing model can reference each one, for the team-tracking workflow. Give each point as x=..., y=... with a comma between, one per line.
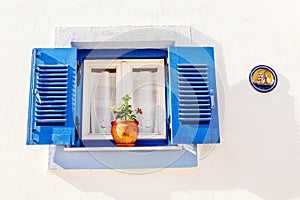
x=102, y=98
x=145, y=92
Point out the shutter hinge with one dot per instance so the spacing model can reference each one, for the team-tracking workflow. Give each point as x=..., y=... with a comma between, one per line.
x=77, y=124
x=78, y=73
x=37, y=53
x=35, y=138
x=169, y=128
x=167, y=72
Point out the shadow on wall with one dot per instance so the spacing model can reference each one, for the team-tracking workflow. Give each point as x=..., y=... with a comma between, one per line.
x=260, y=148
x=258, y=153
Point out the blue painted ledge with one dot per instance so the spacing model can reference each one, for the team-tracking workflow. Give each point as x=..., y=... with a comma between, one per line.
x=61, y=158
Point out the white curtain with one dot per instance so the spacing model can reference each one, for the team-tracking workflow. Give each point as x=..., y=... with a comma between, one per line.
x=103, y=87
x=144, y=97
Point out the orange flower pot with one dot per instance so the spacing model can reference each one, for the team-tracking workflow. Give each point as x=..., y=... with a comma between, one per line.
x=125, y=132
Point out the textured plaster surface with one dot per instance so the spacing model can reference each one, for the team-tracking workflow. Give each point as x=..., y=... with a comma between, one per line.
x=65, y=35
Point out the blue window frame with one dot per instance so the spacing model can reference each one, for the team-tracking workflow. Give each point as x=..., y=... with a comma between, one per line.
x=117, y=54
x=55, y=105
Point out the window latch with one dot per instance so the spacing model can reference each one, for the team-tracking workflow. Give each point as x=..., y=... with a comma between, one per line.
x=38, y=97
x=212, y=99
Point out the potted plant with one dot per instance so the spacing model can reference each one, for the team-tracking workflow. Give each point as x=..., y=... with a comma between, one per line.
x=125, y=129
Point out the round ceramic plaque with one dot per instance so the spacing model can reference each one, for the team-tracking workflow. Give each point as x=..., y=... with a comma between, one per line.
x=263, y=78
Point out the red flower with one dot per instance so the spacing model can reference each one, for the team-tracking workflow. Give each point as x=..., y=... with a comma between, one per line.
x=139, y=110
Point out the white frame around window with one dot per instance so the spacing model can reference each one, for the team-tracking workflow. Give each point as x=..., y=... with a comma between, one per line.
x=123, y=68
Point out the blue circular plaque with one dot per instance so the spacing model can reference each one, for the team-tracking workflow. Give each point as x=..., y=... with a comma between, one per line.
x=263, y=78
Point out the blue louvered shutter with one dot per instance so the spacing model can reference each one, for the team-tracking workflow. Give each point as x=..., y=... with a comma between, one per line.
x=192, y=98
x=51, y=115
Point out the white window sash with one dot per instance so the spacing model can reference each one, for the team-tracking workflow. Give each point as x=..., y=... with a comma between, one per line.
x=124, y=75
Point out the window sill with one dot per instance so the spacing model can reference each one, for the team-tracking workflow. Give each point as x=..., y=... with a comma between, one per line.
x=147, y=148
x=144, y=157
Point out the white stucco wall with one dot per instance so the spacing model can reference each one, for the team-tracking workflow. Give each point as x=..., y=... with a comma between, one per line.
x=259, y=157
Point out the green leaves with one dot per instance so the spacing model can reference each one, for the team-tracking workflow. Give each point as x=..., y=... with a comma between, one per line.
x=126, y=98
x=125, y=110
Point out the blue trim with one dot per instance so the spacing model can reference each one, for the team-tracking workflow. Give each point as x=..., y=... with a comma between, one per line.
x=263, y=89
x=122, y=53
x=114, y=54
x=111, y=143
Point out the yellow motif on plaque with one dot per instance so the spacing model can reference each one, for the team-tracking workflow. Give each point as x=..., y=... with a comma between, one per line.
x=263, y=77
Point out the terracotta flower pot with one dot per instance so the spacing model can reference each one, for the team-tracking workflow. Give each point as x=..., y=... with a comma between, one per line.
x=125, y=132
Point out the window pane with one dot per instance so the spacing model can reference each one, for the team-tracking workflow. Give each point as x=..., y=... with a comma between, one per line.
x=102, y=98
x=145, y=91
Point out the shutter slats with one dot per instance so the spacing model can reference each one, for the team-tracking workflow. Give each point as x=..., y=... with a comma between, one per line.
x=187, y=87
x=50, y=116
x=197, y=101
x=192, y=83
x=195, y=120
x=193, y=110
x=51, y=80
x=47, y=122
x=53, y=66
x=52, y=102
x=52, y=93
x=200, y=93
x=192, y=65
x=193, y=94
x=45, y=98
x=50, y=111
x=52, y=88
x=43, y=88
x=52, y=70
x=51, y=84
x=193, y=73
x=53, y=75
x=194, y=106
x=45, y=107
x=194, y=78
x=195, y=114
